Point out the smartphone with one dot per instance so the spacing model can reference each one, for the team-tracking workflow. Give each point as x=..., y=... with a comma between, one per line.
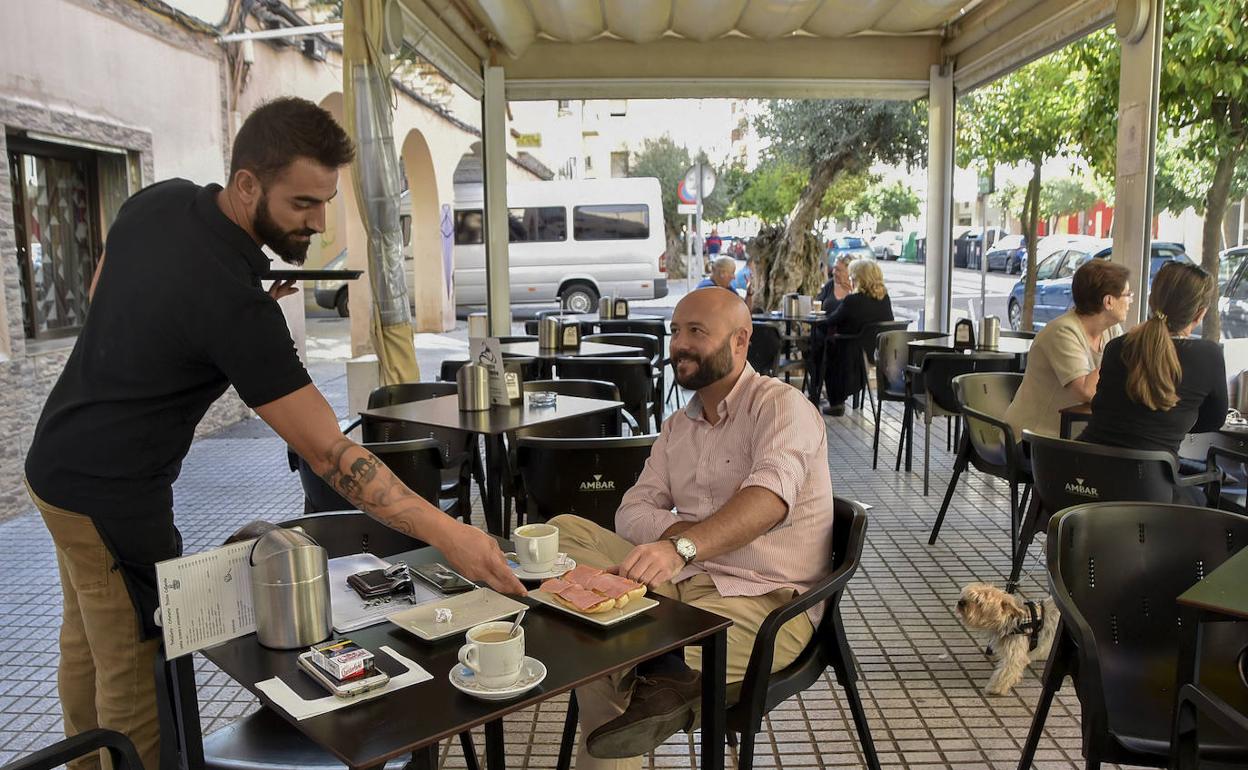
x=443, y=578
x=343, y=688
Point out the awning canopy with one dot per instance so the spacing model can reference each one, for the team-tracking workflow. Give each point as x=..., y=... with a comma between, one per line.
x=586, y=49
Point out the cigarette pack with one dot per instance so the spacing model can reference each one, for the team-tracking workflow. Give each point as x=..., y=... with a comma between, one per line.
x=343, y=659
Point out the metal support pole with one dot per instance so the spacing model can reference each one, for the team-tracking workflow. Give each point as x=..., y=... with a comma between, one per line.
x=939, y=267
x=494, y=169
x=698, y=218
x=688, y=253
x=1137, y=153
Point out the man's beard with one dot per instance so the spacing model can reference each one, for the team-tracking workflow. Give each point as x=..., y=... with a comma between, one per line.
x=284, y=244
x=711, y=369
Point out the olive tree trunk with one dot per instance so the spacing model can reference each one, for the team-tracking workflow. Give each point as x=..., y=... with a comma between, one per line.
x=1216, y=199
x=1031, y=219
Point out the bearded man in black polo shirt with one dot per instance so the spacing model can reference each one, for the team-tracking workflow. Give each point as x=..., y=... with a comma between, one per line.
x=177, y=315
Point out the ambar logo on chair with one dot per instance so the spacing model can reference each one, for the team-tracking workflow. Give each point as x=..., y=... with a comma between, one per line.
x=598, y=485
x=1079, y=489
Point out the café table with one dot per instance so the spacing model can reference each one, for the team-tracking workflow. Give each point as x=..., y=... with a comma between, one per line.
x=533, y=350
x=413, y=719
x=1013, y=345
x=1221, y=597
x=1082, y=412
x=493, y=423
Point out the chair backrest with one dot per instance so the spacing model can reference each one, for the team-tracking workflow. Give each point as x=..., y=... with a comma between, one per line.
x=1066, y=473
x=606, y=391
x=531, y=326
x=407, y=392
x=318, y=496
x=654, y=326
x=450, y=368
x=893, y=355
x=939, y=369
x=1116, y=570
x=350, y=532
x=633, y=375
x=869, y=337
x=766, y=345
x=648, y=343
x=989, y=394
x=517, y=338
x=587, y=477
x=418, y=463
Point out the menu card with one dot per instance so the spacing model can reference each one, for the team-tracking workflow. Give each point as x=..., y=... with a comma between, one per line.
x=487, y=352
x=205, y=598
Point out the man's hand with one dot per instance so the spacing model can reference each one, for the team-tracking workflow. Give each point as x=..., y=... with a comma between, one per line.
x=281, y=289
x=652, y=564
x=475, y=555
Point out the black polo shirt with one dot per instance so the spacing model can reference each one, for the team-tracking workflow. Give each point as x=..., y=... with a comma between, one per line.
x=178, y=315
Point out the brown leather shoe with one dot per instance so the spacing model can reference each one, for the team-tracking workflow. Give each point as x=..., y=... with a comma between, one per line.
x=661, y=705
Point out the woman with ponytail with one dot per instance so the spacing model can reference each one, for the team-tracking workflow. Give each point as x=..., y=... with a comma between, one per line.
x=1157, y=383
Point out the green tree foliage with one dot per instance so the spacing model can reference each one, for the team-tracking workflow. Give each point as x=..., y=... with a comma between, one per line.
x=888, y=203
x=843, y=200
x=769, y=192
x=828, y=139
x=1023, y=118
x=1204, y=111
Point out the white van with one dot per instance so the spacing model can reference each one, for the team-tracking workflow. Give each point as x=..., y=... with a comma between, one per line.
x=614, y=246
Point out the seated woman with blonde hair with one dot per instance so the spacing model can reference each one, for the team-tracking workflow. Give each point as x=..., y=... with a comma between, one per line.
x=868, y=303
x=1157, y=383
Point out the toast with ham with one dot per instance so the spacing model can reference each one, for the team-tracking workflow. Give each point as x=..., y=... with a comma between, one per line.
x=590, y=591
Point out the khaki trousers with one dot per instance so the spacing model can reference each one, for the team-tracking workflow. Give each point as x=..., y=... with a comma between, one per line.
x=603, y=700
x=106, y=676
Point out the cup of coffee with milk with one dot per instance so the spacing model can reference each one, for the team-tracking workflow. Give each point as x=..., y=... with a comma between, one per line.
x=537, y=547
x=494, y=653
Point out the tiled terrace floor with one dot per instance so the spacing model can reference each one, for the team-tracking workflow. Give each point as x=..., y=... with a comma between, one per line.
x=922, y=673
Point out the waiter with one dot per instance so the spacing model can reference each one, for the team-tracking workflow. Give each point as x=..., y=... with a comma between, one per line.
x=176, y=317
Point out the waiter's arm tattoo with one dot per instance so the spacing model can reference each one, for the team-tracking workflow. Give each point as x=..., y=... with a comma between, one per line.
x=365, y=482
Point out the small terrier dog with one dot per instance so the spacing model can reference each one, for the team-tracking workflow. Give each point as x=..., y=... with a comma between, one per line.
x=1020, y=631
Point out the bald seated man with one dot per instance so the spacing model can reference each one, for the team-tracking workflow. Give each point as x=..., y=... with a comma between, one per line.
x=732, y=513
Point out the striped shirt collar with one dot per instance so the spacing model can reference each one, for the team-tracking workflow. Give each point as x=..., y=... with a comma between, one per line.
x=694, y=409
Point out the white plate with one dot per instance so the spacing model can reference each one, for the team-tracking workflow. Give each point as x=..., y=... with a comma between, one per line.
x=608, y=618
x=532, y=672
x=467, y=610
x=569, y=564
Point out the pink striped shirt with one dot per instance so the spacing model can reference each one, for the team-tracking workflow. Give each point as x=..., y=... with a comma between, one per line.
x=768, y=435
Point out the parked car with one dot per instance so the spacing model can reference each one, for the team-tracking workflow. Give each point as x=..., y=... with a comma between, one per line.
x=888, y=244
x=1008, y=254
x=852, y=245
x=968, y=246
x=1053, y=276
x=333, y=293
x=1233, y=299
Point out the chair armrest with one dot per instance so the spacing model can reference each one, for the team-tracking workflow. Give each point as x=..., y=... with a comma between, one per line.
x=348, y=425
x=1197, y=479
x=630, y=421
x=914, y=369
x=1213, y=707
x=1012, y=446
x=119, y=747
x=1214, y=493
x=292, y=459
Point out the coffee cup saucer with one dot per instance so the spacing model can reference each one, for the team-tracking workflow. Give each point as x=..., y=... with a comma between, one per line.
x=556, y=571
x=532, y=673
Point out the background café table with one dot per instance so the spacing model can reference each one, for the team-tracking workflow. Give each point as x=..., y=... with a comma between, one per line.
x=493, y=424
x=533, y=350
x=413, y=719
x=1013, y=345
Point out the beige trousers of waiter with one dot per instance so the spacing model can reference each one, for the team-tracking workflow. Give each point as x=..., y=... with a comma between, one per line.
x=106, y=676
x=604, y=699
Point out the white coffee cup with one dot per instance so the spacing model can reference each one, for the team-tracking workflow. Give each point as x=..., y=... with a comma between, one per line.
x=494, y=657
x=537, y=547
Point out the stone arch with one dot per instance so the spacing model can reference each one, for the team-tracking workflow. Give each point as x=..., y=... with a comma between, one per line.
x=428, y=253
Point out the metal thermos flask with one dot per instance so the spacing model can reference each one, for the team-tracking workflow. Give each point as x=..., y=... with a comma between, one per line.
x=606, y=309
x=990, y=332
x=290, y=590
x=474, y=388
x=548, y=333
x=792, y=305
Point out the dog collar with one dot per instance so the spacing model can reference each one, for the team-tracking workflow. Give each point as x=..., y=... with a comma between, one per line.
x=1032, y=626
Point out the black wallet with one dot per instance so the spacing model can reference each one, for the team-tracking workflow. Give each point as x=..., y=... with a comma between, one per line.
x=371, y=584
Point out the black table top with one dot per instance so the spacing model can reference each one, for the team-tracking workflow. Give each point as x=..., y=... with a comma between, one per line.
x=776, y=316
x=443, y=412
x=312, y=275
x=1224, y=591
x=589, y=318
x=1014, y=345
x=533, y=350
x=371, y=732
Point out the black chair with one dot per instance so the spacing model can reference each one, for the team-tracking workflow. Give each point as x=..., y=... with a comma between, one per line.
x=658, y=328
x=1115, y=571
x=456, y=479
x=891, y=358
x=632, y=375
x=263, y=740
x=1227, y=454
x=929, y=389
x=598, y=424
x=526, y=337
x=651, y=347
x=866, y=342
x=450, y=368
x=583, y=476
x=1066, y=473
x=988, y=443
x=762, y=690
x=766, y=345
x=120, y=751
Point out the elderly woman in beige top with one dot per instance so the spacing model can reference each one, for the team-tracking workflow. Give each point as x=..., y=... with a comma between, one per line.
x=1064, y=363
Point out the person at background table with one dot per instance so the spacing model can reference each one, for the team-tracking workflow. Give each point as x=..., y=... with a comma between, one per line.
x=1064, y=362
x=723, y=272
x=745, y=275
x=1158, y=383
x=837, y=288
x=867, y=303
x=178, y=314
x=732, y=513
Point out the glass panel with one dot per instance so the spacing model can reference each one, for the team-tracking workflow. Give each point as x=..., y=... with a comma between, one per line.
x=539, y=223
x=623, y=221
x=58, y=211
x=23, y=252
x=468, y=227
x=114, y=178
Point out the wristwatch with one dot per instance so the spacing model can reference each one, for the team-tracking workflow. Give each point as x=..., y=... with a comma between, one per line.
x=685, y=547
